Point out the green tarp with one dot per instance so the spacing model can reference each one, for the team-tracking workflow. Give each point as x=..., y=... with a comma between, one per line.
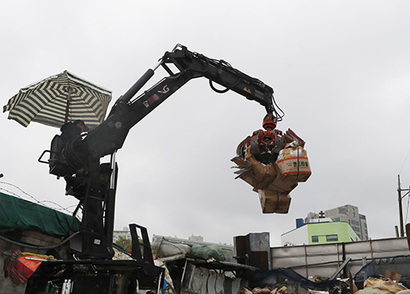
x=19, y=214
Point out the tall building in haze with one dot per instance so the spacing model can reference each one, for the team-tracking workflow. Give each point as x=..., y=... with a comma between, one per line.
x=346, y=213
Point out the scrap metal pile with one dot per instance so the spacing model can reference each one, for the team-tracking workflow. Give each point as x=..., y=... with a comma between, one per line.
x=371, y=286
x=273, y=163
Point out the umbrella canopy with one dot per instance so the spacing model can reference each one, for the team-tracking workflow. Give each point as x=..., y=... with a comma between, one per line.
x=59, y=99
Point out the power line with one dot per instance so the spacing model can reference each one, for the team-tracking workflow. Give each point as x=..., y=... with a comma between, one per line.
x=405, y=159
x=36, y=201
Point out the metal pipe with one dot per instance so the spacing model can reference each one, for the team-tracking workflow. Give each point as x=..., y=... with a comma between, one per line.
x=341, y=267
x=337, y=262
x=137, y=86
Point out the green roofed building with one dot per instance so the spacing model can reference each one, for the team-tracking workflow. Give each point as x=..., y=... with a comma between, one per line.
x=32, y=228
x=320, y=233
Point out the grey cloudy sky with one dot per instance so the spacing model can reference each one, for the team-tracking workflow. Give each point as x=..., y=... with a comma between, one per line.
x=340, y=71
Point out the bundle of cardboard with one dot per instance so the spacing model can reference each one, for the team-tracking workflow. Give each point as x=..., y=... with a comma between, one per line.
x=273, y=182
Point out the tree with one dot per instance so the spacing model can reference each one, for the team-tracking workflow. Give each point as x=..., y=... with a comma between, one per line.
x=125, y=243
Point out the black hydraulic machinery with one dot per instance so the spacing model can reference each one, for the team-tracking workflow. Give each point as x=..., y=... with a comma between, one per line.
x=79, y=160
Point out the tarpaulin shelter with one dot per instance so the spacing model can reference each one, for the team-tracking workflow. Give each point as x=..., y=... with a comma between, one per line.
x=20, y=214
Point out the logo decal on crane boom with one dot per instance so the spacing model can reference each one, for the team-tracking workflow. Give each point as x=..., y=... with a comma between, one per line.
x=155, y=97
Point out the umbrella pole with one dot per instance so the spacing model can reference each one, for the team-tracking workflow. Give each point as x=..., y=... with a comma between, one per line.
x=66, y=111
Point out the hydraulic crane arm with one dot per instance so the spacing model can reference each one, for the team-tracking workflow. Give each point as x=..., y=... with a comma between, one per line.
x=193, y=65
x=110, y=135
x=78, y=159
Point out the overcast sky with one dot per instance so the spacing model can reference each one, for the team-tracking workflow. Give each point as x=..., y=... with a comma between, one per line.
x=340, y=71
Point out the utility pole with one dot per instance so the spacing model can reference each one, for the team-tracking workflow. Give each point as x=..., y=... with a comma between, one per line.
x=399, y=190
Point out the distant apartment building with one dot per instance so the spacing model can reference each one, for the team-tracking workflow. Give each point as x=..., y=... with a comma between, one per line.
x=199, y=240
x=124, y=233
x=157, y=239
x=346, y=213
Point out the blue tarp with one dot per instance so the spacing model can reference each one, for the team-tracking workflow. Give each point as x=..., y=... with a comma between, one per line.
x=377, y=268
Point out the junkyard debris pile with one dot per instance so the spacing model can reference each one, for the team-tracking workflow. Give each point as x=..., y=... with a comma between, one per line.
x=371, y=286
x=384, y=285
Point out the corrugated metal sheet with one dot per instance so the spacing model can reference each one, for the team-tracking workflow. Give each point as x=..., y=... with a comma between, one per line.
x=203, y=280
x=324, y=260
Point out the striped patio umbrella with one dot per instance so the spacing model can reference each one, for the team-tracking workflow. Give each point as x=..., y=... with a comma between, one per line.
x=59, y=99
